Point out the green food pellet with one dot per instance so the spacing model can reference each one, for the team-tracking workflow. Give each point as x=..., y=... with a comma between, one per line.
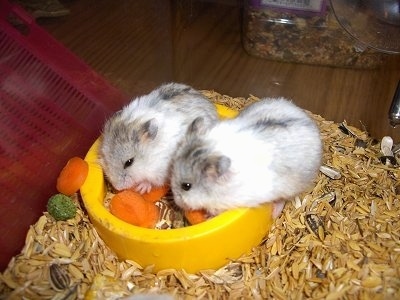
x=61, y=207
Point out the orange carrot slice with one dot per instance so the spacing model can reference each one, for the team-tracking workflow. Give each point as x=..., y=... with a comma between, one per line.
x=72, y=176
x=196, y=216
x=156, y=193
x=130, y=207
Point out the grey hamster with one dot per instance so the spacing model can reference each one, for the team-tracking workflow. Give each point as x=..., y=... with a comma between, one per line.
x=269, y=153
x=138, y=142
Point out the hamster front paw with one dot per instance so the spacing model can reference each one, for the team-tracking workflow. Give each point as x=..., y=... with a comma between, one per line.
x=277, y=208
x=143, y=187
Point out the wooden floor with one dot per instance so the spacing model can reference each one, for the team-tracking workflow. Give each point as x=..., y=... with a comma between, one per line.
x=140, y=44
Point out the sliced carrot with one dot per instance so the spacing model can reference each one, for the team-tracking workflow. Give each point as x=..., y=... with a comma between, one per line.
x=196, y=216
x=130, y=207
x=72, y=176
x=156, y=193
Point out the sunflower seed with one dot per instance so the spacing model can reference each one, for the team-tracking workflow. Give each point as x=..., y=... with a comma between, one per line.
x=59, y=279
x=330, y=172
x=314, y=225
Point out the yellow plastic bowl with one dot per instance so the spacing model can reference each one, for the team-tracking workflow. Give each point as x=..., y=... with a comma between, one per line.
x=208, y=245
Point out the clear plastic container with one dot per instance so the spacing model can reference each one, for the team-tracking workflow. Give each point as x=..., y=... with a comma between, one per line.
x=303, y=31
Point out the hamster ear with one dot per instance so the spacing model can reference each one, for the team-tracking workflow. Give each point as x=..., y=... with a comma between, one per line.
x=216, y=166
x=148, y=131
x=198, y=126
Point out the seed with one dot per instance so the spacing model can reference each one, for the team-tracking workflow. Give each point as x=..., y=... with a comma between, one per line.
x=386, y=146
x=314, y=225
x=344, y=129
x=388, y=160
x=371, y=282
x=330, y=172
x=59, y=279
x=61, y=250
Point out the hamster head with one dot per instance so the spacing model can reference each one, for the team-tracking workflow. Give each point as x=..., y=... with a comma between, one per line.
x=198, y=171
x=124, y=153
x=197, y=174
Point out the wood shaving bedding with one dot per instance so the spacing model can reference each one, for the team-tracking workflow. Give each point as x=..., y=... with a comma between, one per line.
x=340, y=239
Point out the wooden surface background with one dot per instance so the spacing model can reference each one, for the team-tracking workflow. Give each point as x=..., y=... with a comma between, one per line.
x=140, y=44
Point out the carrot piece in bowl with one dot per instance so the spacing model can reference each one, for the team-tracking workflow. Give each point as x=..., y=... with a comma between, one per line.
x=196, y=216
x=130, y=207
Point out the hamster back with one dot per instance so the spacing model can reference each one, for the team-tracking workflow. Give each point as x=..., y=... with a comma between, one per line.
x=271, y=151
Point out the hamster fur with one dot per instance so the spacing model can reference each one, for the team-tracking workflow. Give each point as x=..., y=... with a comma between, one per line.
x=138, y=141
x=269, y=153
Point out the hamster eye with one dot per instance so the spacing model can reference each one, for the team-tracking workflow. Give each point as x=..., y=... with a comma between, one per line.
x=186, y=186
x=128, y=163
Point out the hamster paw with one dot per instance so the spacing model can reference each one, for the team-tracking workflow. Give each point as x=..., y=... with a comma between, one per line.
x=277, y=208
x=143, y=187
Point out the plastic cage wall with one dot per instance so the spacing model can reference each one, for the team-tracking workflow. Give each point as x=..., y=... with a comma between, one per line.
x=52, y=107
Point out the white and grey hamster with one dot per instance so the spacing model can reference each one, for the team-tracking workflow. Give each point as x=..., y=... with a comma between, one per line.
x=138, y=142
x=269, y=153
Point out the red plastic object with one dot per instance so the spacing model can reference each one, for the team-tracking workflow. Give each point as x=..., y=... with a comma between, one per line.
x=52, y=107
